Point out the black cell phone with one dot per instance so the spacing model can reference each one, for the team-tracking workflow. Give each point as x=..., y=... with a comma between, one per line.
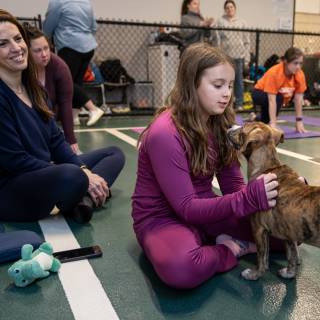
x=78, y=254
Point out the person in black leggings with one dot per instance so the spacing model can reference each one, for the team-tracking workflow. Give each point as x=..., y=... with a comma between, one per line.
x=38, y=170
x=72, y=26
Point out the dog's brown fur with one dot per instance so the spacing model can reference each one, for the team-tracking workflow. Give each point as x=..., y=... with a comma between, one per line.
x=296, y=216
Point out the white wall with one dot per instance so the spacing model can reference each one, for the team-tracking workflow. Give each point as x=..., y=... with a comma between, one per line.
x=308, y=6
x=258, y=13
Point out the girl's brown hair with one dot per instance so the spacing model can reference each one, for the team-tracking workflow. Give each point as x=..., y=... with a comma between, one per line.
x=186, y=114
x=35, y=92
x=292, y=54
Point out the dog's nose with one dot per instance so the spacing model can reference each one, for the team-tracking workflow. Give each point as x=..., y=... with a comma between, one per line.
x=233, y=128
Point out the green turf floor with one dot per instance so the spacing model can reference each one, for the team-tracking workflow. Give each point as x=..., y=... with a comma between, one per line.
x=135, y=291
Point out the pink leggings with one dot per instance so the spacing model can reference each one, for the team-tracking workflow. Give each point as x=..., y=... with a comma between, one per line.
x=185, y=257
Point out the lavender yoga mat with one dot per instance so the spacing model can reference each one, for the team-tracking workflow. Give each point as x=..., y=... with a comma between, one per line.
x=311, y=121
x=289, y=132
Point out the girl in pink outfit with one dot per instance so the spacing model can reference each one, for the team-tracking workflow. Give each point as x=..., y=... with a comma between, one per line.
x=188, y=232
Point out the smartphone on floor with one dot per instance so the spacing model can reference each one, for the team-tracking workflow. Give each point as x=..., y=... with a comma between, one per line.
x=78, y=254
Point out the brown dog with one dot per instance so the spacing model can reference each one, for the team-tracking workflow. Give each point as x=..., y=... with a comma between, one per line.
x=296, y=216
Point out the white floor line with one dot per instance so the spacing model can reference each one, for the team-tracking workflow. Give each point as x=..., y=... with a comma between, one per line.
x=133, y=142
x=297, y=156
x=103, y=129
x=84, y=291
x=115, y=132
x=122, y=136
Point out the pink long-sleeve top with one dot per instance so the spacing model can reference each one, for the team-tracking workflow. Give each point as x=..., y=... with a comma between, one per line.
x=166, y=190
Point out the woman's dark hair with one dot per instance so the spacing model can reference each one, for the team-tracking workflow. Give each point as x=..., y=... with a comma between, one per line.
x=35, y=92
x=32, y=31
x=184, y=7
x=271, y=61
x=229, y=1
x=292, y=54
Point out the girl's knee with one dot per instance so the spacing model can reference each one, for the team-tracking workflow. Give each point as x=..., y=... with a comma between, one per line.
x=179, y=272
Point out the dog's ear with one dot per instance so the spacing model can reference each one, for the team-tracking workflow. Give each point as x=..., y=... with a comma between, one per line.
x=277, y=135
x=252, y=136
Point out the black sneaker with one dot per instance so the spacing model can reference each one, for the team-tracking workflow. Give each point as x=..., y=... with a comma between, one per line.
x=83, y=212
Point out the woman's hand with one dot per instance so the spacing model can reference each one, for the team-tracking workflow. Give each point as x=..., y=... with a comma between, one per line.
x=75, y=148
x=270, y=185
x=300, y=127
x=98, y=188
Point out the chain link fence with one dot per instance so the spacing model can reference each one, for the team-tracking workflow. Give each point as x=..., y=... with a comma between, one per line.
x=135, y=63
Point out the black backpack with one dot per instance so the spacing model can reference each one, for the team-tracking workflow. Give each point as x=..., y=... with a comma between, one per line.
x=113, y=71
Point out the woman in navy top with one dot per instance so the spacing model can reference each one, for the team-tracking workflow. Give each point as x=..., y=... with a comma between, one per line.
x=38, y=169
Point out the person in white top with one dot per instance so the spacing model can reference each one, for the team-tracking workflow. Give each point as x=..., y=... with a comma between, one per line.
x=234, y=44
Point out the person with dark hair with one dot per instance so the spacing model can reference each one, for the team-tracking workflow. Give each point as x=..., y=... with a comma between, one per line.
x=278, y=86
x=38, y=170
x=72, y=26
x=191, y=16
x=54, y=75
x=271, y=61
x=188, y=232
x=236, y=45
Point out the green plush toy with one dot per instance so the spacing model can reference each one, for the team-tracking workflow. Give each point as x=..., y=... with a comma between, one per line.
x=33, y=265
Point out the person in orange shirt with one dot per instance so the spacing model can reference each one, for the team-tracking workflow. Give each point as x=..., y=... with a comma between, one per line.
x=278, y=86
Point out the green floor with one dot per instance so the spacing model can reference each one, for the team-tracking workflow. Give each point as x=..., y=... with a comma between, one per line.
x=129, y=280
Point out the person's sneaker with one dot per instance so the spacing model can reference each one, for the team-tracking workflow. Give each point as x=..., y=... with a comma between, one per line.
x=238, y=247
x=239, y=108
x=84, y=112
x=106, y=109
x=75, y=115
x=76, y=121
x=83, y=212
x=94, y=116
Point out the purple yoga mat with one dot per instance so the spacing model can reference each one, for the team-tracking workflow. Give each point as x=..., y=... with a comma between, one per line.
x=311, y=121
x=289, y=132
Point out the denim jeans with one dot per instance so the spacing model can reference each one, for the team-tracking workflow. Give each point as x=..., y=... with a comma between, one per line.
x=238, y=83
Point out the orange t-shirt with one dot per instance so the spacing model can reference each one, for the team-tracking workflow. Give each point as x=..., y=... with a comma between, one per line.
x=274, y=81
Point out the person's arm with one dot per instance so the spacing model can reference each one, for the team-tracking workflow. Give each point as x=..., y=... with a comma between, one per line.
x=60, y=149
x=272, y=101
x=298, y=98
x=52, y=17
x=64, y=92
x=189, y=33
x=171, y=169
x=14, y=158
x=246, y=44
x=230, y=179
x=94, y=24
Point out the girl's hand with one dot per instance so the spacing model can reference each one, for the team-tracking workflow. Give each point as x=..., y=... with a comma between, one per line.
x=300, y=127
x=270, y=185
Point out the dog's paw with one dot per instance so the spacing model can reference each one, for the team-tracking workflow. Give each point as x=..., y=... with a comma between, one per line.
x=286, y=273
x=250, y=274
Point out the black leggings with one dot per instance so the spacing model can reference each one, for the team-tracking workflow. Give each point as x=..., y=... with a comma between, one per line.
x=78, y=63
x=31, y=196
x=260, y=98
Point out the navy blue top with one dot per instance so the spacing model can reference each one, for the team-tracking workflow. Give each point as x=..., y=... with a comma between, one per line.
x=27, y=141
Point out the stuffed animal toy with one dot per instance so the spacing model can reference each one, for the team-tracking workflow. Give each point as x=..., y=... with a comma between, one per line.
x=33, y=265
